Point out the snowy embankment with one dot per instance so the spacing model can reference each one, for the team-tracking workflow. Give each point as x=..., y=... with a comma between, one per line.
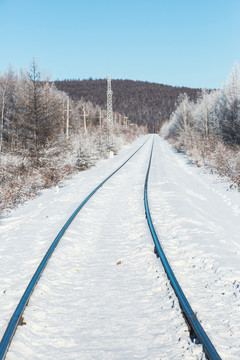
x=197, y=218
x=104, y=294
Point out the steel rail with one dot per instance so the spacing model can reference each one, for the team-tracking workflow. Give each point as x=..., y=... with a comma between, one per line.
x=191, y=318
x=13, y=323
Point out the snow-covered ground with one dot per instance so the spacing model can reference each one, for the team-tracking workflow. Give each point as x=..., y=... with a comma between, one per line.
x=197, y=218
x=104, y=294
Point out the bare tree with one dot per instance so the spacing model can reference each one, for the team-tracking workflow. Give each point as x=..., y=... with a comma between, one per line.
x=8, y=84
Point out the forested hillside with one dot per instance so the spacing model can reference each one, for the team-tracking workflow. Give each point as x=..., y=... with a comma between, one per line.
x=144, y=103
x=208, y=130
x=45, y=136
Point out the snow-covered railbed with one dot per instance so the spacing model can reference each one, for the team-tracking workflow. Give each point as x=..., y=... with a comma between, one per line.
x=198, y=223
x=104, y=294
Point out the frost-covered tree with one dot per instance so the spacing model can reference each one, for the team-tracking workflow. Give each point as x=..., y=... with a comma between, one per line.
x=230, y=108
x=36, y=150
x=209, y=130
x=8, y=108
x=215, y=115
x=181, y=121
x=41, y=111
x=206, y=115
x=33, y=108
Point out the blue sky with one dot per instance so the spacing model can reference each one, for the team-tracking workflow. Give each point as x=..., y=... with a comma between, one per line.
x=177, y=42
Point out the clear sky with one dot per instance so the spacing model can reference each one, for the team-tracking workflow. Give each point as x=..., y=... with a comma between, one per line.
x=176, y=42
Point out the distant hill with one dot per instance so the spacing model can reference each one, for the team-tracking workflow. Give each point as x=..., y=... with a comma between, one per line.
x=144, y=103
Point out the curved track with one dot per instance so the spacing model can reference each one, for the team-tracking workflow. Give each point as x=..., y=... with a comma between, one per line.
x=187, y=310
x=185, y=306
x=13, y=323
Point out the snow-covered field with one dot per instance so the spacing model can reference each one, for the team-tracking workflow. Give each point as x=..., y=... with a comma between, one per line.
x=104, y=294
x=198, y=221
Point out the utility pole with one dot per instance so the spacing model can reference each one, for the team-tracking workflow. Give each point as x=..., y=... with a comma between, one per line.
x=122, y=120
x=63, y=116
x=84, y=119
x=109, y=102
x=100, y=118
x=2, y=120
x=67, y=120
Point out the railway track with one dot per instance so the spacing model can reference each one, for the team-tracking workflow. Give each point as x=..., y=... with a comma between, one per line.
x=14, y=321
x=189, y=315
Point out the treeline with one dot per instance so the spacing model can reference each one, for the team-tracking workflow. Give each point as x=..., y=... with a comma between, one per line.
x=144, y=103
x=208, y=130
x=45, y=135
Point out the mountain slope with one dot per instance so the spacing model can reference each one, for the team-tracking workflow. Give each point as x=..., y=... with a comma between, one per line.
x=144, y=103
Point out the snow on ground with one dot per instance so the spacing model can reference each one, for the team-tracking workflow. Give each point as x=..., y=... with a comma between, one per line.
x=104, y=295
x=198, y=221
